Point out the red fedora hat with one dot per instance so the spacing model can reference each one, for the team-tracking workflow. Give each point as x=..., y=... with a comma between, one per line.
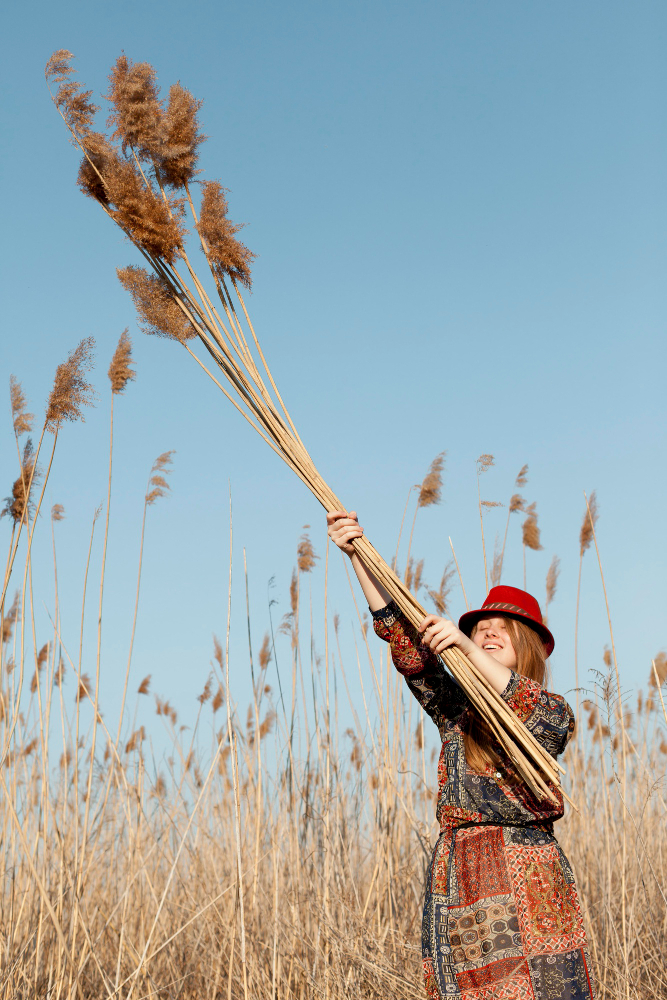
x=509, y=602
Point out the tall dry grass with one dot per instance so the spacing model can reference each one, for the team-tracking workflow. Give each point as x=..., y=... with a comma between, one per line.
x=285, y=859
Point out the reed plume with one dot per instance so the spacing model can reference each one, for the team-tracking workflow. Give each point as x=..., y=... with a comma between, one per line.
x=430, y=491
x=227, y=255
x=145, y=685
x=551, y=584
x=517, y=503
x=71, y=390
x=531, y=531
x=83, y=687
x=7, y=621
x=588, y=524
x=137, y=112
x=440, y=596
x=74, y=104
x=157, y=484
x=552, y=579
x=522, y=477
x=120, y=372
x=181, y=138
x=154, y=223
x=305, y=554
x=154, y=301
x=19, y=506
x=57, y=512
x=21, y=419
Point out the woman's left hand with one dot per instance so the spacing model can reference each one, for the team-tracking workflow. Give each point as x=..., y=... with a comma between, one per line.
x=440, y=633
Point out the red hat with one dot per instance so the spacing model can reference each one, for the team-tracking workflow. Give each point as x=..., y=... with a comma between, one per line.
x=509, y=602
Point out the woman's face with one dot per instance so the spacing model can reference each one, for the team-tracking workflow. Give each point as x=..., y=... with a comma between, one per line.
x=492, y=636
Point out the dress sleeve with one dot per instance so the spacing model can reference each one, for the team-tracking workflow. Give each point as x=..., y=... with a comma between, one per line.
x=435, y=690
x=547, y=716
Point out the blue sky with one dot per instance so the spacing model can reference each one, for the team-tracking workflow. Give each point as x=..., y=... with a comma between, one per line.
x=459, y=213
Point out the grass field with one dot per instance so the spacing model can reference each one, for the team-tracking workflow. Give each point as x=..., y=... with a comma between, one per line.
x=255, y=868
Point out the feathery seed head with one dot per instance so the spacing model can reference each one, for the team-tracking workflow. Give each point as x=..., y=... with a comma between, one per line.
x=552, y=579
x=419, y=735
x=517, y=502
x=497, y=567
x=522, y=478
x=93, y=170
x=217, y=652
x=73, y=103
x=488, y=504
x=206, y=693
x=42, y=655
x=151, y=222
x=531, y=532
x=181, y=138
x=19, y=505
x=217, y=699
x=430, y=490
x=294, y=593
x=137, y=111
x=120, y=372
x=155, y=304
x=83, y=689
x=57, y=512
x=305, y=554
x=588, y=524
x=59, y=673
x=8, y=620
x=145, y=684
x=265, y=652
x=21, y=419
x=157, y=484
x=70, y=389
x=417, y=576
x=225, y=252
x=484, y=462
x=441, y=596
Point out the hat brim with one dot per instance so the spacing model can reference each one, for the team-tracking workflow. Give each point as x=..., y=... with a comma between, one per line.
x=470, y=618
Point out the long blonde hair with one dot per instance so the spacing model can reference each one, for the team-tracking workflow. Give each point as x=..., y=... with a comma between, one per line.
x=478, y=739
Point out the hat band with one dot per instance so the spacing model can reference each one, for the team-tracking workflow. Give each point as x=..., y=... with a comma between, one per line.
x=508, y=607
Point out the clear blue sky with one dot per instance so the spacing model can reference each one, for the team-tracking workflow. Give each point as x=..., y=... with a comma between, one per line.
x=460, y=214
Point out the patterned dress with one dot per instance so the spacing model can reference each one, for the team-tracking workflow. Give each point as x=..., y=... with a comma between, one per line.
x=501, y=917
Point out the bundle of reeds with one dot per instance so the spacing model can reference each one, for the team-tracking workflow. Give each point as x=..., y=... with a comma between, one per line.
x=141, y=176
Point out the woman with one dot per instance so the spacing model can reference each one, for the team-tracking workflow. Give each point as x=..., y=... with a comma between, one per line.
x=501, y=915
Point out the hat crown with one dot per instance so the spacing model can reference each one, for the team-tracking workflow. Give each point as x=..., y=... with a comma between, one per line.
x=514, y=600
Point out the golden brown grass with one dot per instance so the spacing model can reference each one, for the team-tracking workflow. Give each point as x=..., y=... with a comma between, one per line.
x=240, y=869
x=243, y=870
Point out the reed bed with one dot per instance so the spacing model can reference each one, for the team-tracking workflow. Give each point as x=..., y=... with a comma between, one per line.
x=249, y=867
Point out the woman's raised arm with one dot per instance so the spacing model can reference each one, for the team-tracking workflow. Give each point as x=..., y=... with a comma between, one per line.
x=342, y=529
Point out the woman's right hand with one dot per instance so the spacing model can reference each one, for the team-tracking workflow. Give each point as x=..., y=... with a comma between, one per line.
x=342, y=528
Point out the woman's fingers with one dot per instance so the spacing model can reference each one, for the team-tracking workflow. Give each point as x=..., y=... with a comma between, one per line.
x=438, y=633
x=341, y=515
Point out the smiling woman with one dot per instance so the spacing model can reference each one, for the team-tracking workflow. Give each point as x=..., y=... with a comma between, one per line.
x=501, y=915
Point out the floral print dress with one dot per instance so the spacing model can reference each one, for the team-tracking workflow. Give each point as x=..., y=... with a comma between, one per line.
x=502, y=919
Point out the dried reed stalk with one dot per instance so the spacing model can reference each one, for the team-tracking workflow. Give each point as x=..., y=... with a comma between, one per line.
x=179, y=307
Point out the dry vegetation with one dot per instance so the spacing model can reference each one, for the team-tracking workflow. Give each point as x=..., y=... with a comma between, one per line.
x=281, y=854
